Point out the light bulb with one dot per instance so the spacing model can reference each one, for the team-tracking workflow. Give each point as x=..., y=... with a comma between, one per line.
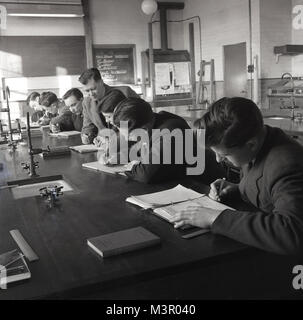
x=149, y=6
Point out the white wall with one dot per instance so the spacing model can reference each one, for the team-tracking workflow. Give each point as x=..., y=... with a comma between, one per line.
x=29, y=26
x=297, y=38
x=275, y=28
x=123, y=22
x=223, y=23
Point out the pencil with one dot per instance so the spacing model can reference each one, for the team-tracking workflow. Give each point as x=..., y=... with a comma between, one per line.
x=221, y=185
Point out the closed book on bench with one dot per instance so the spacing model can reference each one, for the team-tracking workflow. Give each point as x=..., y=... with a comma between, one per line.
x=123, y=241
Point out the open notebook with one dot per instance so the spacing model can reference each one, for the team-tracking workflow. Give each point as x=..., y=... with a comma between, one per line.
x=167, y=203
x=163, y=198
x=168, y=212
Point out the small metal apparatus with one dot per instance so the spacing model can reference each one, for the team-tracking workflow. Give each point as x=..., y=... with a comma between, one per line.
x=51, y=194
x=292, y=92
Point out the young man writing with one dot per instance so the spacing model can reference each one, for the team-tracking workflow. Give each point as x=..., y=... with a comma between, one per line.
x=72, y=119
x=272, y=167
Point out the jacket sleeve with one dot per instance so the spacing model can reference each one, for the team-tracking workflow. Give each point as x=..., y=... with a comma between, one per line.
x=280, y=231
x=88, y=127
x=152, y=172
x=64, y=121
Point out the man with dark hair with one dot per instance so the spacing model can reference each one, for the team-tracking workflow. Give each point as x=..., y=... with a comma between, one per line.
x=272, y=167
x=52, y=107
x=33, y=102
x=72, y=119
x=100, y=99
x=139, y=115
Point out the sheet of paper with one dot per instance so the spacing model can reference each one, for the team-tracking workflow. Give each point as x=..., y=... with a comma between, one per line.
x=85, y=148
x=177, y=194
x=65, y=134
x=96, y=165
x=181, y=73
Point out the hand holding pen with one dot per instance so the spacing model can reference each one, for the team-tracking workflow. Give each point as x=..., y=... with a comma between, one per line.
x=221, y=188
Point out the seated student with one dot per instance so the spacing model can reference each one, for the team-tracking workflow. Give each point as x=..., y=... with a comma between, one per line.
x=139, y=115
x=33, y=102
x=52, y=107
x=272, y=166
x=100, y=99
x=73, y=118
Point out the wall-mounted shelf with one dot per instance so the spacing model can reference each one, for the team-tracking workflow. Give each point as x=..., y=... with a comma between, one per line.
x=288, y=49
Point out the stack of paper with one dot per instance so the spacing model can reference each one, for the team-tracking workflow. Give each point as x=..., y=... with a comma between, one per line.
x=65, y=134
x=85, y=148
x=96, y=165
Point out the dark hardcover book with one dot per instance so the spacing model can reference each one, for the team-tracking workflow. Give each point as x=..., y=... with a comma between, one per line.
x=123, y=241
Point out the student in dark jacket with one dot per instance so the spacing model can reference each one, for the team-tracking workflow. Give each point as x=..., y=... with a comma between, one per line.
x=139, y=115
x=52, y=107
x=272, y=166
x=72, y=119
x=100, y=99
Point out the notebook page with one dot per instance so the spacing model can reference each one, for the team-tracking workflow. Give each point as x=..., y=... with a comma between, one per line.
x=169, y=212
x=162, y=198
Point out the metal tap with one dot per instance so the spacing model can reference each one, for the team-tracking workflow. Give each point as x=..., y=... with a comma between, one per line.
x=31, y=167
x=293, y=102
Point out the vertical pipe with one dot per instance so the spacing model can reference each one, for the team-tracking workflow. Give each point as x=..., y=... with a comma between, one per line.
x=151, y=60
x=192, y=58
x=163, y=29
x=256, y=83
x=250, y=48
x=88, y=34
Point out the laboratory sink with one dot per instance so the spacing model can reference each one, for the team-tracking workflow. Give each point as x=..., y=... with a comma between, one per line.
x=31, y=187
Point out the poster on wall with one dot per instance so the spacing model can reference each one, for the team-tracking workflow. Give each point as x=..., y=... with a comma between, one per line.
x=116, y=63
x=172, y=78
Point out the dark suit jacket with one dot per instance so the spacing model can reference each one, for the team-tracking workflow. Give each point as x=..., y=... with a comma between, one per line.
x=93, y=118
x=69, y=121
x=273, y=184
x=154, y=173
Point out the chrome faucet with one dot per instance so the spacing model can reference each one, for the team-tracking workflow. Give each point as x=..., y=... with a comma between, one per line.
x=293, y=102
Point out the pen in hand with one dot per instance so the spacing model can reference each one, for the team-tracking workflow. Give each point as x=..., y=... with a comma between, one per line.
x=221, y=186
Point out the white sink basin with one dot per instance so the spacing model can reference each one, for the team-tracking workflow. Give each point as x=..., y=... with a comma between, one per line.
x=32, y=190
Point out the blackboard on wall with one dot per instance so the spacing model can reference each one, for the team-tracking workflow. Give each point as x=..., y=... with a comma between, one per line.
x=116, y=63
x=36, y=56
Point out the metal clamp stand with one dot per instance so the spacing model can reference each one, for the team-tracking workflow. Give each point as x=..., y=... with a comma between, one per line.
x=31, y=167
x=9, y=134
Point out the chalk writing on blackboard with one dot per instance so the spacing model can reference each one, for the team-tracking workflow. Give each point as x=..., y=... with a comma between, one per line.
x=116, y=64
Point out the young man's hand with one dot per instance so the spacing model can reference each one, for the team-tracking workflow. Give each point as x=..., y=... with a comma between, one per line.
x=217, y=193
x=54, y=128
x=196, y=215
